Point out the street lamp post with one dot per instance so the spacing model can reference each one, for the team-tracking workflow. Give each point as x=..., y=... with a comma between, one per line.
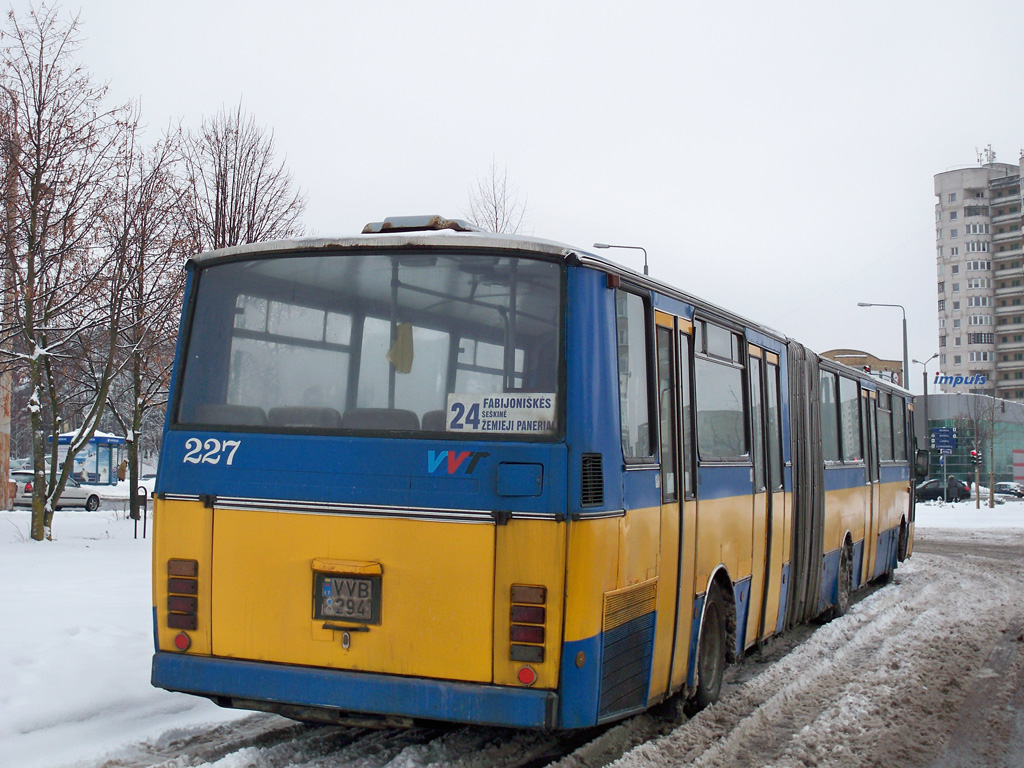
x=906, y=363
x=633, y=247
x=927, y=425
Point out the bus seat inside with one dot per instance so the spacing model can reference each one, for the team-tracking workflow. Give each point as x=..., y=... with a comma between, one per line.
x=233, y=415
x=380, y=419
x=304, y=416
x=434, y=421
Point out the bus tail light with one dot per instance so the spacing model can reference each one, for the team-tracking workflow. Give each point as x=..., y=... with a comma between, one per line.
x=527, y=675
x=182, y=599
x=527, y=631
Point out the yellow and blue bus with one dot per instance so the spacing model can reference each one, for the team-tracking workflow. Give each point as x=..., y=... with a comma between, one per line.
x=428, y=473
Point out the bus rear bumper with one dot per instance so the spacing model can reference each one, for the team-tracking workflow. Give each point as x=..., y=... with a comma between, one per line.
x=355, y=692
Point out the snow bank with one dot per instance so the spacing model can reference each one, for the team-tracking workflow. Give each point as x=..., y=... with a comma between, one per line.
x=965, y=514
x=75, y=658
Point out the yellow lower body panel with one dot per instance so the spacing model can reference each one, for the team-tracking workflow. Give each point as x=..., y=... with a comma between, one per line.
x=436, y=582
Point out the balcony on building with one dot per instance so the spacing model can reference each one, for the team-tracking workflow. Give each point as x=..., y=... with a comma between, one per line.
x=1013, y=250
x=1010, y=290
x=1009, y=326
x=1010, y=345
x=1008, y=309
x=975, y=206
x=1009, y=365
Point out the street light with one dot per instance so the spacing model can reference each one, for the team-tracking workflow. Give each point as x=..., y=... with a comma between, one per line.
x=633, y=247
x=927, y=426
x=906, y=364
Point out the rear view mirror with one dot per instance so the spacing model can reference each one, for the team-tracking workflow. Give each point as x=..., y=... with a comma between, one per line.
x=923, y=460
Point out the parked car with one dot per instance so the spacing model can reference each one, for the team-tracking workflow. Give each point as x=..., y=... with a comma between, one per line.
x=74, y=494
x=935, y=488
x=1010, y=489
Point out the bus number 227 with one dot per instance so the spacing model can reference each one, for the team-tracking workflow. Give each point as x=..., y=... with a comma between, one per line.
x=211, y=451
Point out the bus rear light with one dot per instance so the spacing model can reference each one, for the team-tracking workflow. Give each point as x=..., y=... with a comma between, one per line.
x=181, y=620
x=528, y=614
x=182, y=600
x=522, y=593
x=183, y=586
x=182, y=604
x=526, y=634
x=187, y=568
x=531, y=653
x=527, y=676
x=526, y=629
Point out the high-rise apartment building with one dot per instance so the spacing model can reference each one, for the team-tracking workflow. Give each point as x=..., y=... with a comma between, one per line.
x=980, y=275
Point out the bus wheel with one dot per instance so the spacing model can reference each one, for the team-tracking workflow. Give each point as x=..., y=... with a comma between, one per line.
x=844, y=584
x=901, y=550
x=711, y=654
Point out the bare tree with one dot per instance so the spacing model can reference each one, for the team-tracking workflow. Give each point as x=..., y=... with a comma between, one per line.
x=236, y=191
x=988, y=421
x=63, y=293
x=144, y=232
x=494, y=205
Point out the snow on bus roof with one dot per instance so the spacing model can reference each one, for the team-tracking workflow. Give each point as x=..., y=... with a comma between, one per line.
x=436, y=239
x=438, y=232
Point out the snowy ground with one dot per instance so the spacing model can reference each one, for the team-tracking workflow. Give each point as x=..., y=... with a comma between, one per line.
x=75, y=655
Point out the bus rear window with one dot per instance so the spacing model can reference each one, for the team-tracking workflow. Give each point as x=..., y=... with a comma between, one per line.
x=378, y=343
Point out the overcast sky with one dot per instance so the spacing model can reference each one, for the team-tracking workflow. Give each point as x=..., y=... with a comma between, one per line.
x=776, y=158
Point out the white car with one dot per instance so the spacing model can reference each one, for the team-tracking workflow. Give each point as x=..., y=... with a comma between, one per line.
x=74, y=494
x=1010, y=489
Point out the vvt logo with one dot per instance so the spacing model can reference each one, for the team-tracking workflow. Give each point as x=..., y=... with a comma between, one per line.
x=977, y=380
x=451, y=462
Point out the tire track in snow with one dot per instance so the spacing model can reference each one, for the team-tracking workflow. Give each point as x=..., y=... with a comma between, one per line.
x=884, y=685
x=878, y=686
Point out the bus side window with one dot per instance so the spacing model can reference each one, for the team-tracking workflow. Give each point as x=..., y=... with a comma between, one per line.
x=775, y=459
x=850, y=420
x=721, y=401
x=685, y=378
x=885, y=452
x=634, y=404
x=899, y=421
x=667, y=415
x=829, y=417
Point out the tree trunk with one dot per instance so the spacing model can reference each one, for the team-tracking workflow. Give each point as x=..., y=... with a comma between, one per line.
x=40, y=529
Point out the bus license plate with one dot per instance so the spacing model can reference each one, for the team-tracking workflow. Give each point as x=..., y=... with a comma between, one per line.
x=348, y=598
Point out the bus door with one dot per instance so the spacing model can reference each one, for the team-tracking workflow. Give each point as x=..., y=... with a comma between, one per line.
x=760, y=527
x=776, y=533
x=687, y=505
x=769, y=496
x=869, y=432
x=679, y=515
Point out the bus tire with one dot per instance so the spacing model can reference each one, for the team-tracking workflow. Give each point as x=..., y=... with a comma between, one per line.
x=711, y=653
x=844, y=583
x=901, y=547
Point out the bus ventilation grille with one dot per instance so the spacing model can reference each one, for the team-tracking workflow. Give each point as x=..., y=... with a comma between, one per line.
x=592, y=481
x=627, y=647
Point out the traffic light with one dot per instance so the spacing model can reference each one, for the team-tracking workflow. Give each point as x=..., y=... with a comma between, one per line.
x=975, y=457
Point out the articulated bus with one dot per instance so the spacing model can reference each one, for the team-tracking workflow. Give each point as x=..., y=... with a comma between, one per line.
x=428, y=473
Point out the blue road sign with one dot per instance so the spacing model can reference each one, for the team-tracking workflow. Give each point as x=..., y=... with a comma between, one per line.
x=944, y=438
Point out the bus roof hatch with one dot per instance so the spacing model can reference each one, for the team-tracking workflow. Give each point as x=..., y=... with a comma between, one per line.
x=418, y=224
